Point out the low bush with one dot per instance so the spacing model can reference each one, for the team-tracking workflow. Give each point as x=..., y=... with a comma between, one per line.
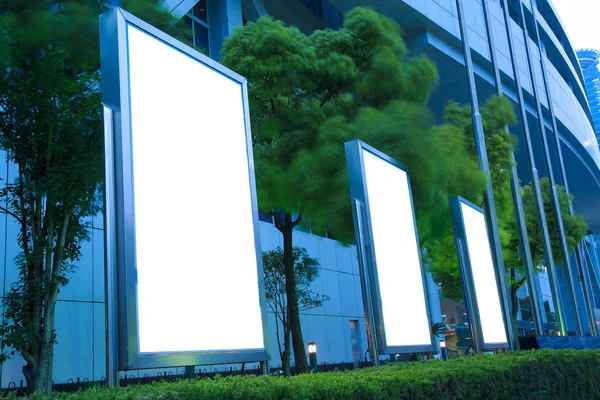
x=543, y=374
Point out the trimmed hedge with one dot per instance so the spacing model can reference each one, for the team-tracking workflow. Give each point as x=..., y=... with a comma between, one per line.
x=542, y=374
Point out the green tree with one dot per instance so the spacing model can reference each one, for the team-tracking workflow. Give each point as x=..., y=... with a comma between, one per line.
x=575, y=229
x=496, y=114
x=50, y=129
x=306, y=270
x=310, y=94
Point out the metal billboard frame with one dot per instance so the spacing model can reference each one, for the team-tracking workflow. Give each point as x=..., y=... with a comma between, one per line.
x=466, y=276
x=121, y=297
x=368, y=264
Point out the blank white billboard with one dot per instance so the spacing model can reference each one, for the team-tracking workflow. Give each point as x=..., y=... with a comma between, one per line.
x=196, y=259
x=484, y=277
x=396, y=251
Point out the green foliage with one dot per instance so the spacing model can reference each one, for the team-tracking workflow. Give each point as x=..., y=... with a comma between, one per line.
x=443, y=265
x=532, y=375
x=438, y=328
x=51, y=131
x=439, y=166
x=497, y=113
x=301, y=87
x=575, y=226
x=306, y=270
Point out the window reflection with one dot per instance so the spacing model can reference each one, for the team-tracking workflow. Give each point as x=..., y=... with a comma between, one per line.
x=199, y=29
x=199, y=11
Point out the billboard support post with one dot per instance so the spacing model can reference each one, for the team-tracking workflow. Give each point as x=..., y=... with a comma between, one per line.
x=358, y=213
x=112, y=368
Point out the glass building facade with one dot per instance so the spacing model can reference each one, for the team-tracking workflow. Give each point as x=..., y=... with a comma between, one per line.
x=540, y=74
x=589, y=59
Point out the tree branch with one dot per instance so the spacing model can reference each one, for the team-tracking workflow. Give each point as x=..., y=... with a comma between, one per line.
x=520, y=283
x=58, y=252
x=326, y=98
x=12, y=214
x=28, y=357
x=24, y=220
x=297, y=221
x=278, y=221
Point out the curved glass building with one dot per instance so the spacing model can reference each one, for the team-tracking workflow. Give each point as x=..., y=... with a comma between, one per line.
x=515, y=47
x=590, y=62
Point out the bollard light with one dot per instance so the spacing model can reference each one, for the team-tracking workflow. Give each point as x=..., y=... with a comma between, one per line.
x=312, y=356
x=443, y=349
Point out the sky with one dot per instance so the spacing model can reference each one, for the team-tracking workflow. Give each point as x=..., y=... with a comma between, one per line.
x=581, y=20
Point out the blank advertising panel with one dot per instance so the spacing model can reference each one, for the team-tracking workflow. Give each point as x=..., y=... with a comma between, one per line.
x=478, y=275
x=188, y=249
x=484, y=277
x=392, y=276
x=192, y=204
x=399, y=273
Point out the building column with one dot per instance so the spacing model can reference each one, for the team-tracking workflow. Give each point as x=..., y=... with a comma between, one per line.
x=489, y=194
x=223, y=17
x=435, y=309
x=516, y=192
x=535, y=180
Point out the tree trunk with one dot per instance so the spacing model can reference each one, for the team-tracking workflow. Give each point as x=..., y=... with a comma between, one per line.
x=292, y=297
x=287, y=354
x=514, y=312
x=38, y=371
x=39, y=376
x=43, y=383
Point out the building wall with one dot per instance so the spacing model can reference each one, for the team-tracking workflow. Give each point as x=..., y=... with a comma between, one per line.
x=328, y=326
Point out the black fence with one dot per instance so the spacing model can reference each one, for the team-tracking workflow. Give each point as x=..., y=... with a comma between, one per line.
x=126, y=379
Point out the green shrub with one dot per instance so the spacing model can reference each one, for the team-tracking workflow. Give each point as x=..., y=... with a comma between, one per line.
x=544, y=374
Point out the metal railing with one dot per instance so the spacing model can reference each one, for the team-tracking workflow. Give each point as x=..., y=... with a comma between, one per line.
x=141, y=378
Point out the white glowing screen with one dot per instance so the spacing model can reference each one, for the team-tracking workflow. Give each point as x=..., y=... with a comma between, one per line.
x=197, y=274
x=484, y=277
x=396, y=253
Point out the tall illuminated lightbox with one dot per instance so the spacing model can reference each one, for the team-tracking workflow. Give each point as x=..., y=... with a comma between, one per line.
x=392, y=278
x=478, y=276
x=184, y=273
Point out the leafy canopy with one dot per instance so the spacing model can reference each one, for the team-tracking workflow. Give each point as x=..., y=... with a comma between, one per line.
x=51, y=131
x=306, y=270
x=497, y=113
x=310, y=94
